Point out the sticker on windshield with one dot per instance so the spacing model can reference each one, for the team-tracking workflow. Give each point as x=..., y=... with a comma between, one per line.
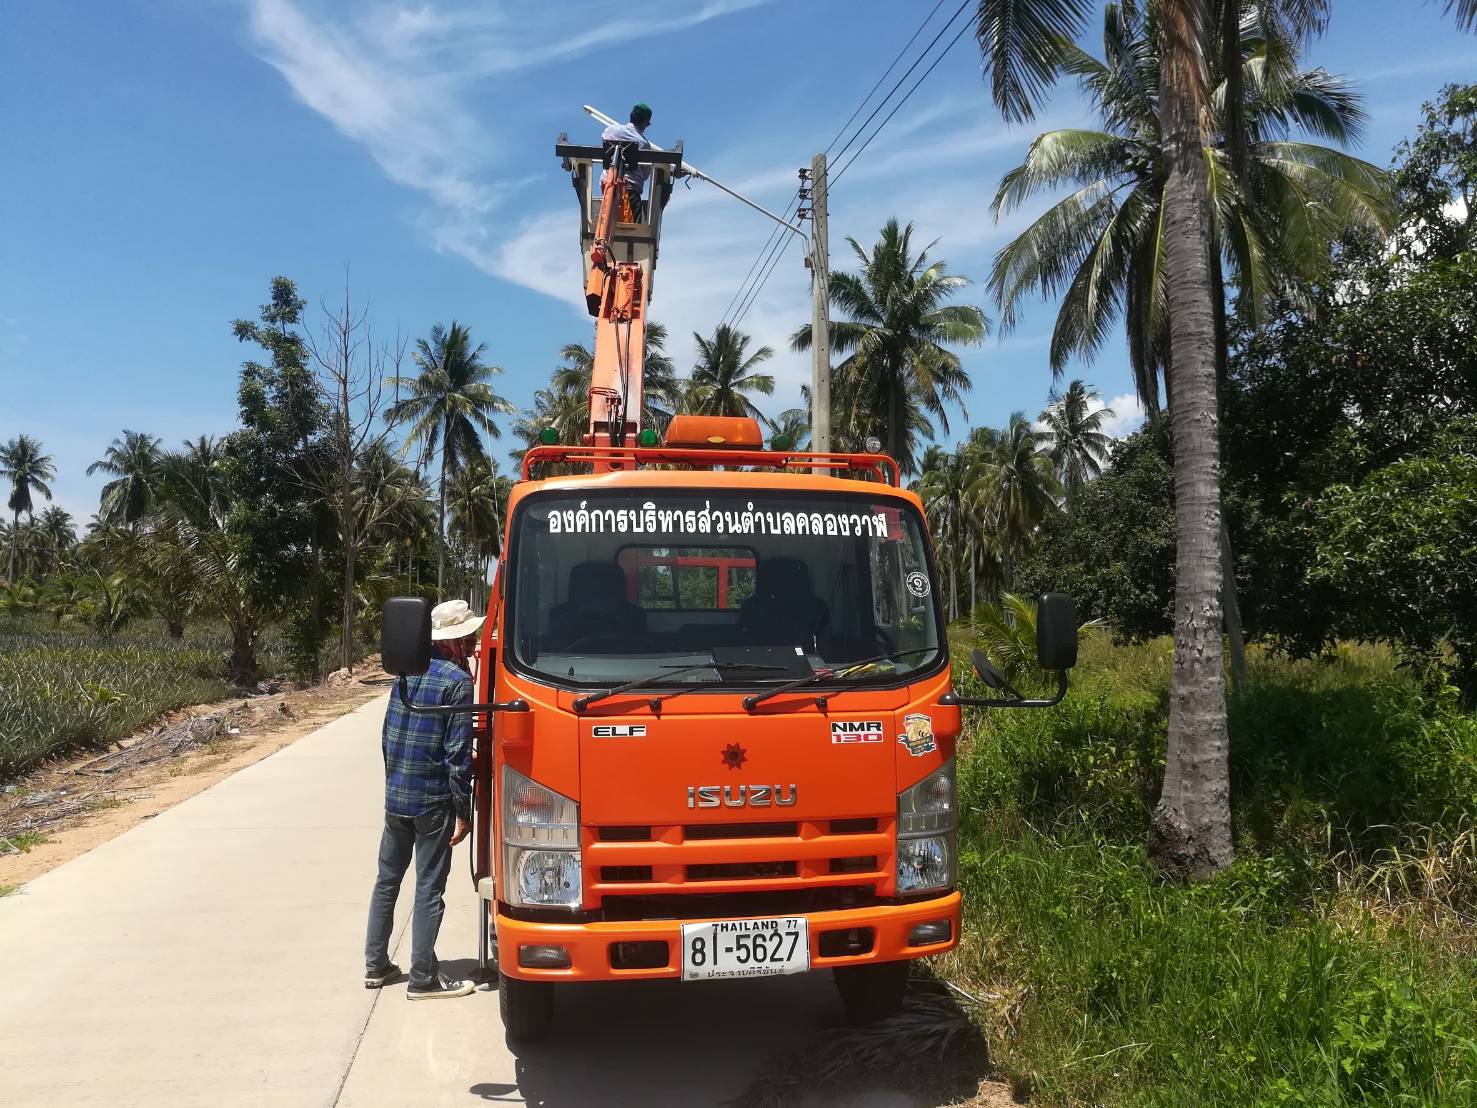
x=918, y=584
x=917, y=735
x=850, y=732
x=708, y=520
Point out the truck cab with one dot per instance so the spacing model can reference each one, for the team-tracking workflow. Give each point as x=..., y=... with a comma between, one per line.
x=717, y=728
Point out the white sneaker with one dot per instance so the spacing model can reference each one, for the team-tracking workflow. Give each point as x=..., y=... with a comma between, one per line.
x=443, y=988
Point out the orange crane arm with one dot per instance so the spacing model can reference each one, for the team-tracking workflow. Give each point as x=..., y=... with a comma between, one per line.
x=615, y=294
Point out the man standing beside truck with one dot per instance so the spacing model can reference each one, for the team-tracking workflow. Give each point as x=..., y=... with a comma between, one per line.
x=428, y=785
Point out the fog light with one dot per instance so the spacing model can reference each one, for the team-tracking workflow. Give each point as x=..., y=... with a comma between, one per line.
x=550, y=956
x=934, y=931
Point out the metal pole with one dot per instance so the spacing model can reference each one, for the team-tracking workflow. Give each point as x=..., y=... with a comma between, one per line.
x=820, y=312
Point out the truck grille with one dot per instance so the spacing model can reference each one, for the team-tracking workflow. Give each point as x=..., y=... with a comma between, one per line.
x=737, y=869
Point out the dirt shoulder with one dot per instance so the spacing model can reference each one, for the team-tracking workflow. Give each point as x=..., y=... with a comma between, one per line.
x=67, y=806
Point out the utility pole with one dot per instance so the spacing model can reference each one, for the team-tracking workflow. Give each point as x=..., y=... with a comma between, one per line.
x=820, y=312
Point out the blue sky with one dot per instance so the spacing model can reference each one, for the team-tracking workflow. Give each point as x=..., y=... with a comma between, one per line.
x=165, y=158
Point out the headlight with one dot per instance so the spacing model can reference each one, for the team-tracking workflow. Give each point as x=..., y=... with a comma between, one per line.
x=925, y=863
x=925, y=832
x=541, y=837
x=546, y=878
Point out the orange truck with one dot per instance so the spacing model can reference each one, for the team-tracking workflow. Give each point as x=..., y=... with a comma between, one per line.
x=716, y=725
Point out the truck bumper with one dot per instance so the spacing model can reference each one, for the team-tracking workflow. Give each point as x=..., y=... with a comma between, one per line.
x=595, y=950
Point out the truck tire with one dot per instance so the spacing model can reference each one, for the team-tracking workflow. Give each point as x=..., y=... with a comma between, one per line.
x=527, y=1008
x=873, y=991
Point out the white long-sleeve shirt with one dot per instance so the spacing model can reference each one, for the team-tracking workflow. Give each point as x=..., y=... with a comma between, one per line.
x=626, y=132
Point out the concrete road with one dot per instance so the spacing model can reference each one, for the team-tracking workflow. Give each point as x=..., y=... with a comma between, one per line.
x=212, y=956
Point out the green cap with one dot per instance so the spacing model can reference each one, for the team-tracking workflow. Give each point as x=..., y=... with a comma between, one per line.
x=643, y=110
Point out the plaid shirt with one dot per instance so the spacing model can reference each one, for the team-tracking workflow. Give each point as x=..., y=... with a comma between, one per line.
x=428, y=759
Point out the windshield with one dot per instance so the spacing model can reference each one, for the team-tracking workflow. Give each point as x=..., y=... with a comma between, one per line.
x=609, y=588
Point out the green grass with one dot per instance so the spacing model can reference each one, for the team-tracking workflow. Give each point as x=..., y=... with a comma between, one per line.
x=1333, y=964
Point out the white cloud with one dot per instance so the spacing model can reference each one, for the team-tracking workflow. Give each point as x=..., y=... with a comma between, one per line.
x=1127, y=417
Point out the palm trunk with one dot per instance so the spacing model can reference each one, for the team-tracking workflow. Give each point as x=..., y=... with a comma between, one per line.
x=1229, y=598
x=243, y=654
x=441, y=530
x=15, y=530
x=1191, y=832
x=895, y=419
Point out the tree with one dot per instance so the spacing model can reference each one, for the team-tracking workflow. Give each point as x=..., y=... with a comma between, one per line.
x=897, y=340
x=58, y=531
x=271, y=545
x=1023, y=43
x=1015, y=489
x=28, y=470
x=1113, y=550
x=1102, y=246
x=351, y=382
x=1437, y=176
x=724, y=378
x=451, y=403
x=476, y=502
x=1401, y=541
x=135, y=462
x=1074, y=430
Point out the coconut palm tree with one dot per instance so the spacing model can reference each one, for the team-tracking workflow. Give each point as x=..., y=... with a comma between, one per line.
x=1025, y=45
x=137, y=464
x=944, y=486
x=475, y=501
x=450, y=404
x=1013, y=484
x=58, y=532
x=28, y=470
x=897, y=339
x=724, y=378
x=1074, y=431
x=1102, y=246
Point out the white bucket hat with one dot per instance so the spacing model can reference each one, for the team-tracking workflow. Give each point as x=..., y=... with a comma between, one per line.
x=453, y=620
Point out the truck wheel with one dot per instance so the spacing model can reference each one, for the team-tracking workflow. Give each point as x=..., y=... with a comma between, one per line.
x=527, y=1008
x=872, y=992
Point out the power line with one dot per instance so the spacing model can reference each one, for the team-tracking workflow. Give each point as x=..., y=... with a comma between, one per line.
x=901, y=102
x=745, y=294
x=883, y=102
x=780, y=249
x=897, y=58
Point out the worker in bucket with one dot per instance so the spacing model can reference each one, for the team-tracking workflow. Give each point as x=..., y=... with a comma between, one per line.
x=428, y=788
x=633, y=209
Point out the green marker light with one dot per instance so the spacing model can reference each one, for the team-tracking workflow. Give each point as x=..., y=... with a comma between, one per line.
x=548, y=436
x=647, y=438
x=780, y=442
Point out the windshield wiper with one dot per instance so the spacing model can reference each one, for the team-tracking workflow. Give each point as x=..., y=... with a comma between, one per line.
x=751, y=702
x=583, y=702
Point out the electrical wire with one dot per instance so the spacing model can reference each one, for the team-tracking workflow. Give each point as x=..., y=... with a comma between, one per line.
x=862, y=149
x=754, y=279
x=883, y=102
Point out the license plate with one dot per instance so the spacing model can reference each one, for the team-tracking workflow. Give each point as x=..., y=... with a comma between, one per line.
x=745, y=948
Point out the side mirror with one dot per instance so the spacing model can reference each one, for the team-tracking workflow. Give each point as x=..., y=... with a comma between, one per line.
x=405, y=636
x=1056, y=631
x=985, y=670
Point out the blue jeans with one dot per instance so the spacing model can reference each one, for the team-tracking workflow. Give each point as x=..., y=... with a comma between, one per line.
x=427, y=836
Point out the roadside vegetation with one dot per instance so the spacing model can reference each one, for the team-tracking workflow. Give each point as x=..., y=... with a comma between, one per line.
x=1331, y=964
